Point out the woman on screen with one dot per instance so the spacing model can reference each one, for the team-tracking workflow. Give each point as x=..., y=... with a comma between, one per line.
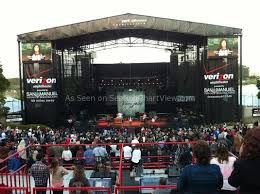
x=36, y=53
x=223, y=48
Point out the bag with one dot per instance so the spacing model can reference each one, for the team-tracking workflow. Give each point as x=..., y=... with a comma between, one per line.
x=132, y=173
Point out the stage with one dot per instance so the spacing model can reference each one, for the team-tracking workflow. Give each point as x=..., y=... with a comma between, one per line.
x=134, y=123
x=69, y=80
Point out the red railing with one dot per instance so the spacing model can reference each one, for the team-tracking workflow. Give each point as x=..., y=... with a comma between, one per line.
x=23, y=180
x=106, y=189
x=124, y=188
x=14, y=155
x=18, y=178
x=11, y=190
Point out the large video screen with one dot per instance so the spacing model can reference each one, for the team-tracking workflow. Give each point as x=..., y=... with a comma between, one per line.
x=130, y=102
x=222, y=47
x=36, y=52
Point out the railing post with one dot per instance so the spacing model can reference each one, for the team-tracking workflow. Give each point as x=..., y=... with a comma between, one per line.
x=116, y=191
x=26, y=191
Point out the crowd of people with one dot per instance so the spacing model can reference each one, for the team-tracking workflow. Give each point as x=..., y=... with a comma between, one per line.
x=229, y=161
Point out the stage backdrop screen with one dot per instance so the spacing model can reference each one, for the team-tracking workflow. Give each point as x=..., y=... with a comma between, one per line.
x=222, y=47
x=130, y=101
x=36, y=52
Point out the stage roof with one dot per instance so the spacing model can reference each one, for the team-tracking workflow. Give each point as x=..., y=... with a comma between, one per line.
x=129, y=25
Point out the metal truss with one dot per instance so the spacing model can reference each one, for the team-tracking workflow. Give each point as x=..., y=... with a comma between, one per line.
x=131, y=42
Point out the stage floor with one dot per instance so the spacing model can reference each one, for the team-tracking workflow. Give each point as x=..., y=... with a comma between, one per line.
x=104, y=123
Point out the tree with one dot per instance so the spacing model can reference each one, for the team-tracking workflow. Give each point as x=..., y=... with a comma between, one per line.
x=4, y=84
x=258, y=86
x=245, y=72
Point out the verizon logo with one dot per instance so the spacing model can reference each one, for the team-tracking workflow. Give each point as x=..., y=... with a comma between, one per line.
x=41, y=80
x=219, y=76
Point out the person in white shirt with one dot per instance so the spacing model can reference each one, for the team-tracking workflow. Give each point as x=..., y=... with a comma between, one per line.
x=66, y=156
x=127, y=152
x=134, y=141
x=3, y=135
x=136, y=157
x=225, y=162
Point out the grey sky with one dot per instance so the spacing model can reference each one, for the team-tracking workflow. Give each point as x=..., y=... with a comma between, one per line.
x=28, y=15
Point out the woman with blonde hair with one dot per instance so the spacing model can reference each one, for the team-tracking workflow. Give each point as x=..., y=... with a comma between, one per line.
x=57, y=172
x=237, y=144
x=22, y=151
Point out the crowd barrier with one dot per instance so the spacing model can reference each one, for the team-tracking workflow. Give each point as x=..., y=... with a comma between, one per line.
x=140, y=189
x=21, y=177
x=14, y=190
x=93, y=189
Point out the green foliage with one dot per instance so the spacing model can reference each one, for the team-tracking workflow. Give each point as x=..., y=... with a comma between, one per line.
x=245, y=72
x=28, y=126
x=4, y=84
x=249, y=81
x=258, y=95
x=14, y=88
x=14, y=84
x=258, y=84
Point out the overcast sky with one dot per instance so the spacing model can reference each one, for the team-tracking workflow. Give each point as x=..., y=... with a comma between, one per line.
x=27, y=15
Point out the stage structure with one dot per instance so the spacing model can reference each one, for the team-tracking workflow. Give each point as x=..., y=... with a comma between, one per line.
x=59, y=76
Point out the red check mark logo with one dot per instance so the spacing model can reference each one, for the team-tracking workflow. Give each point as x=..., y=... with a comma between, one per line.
x=31, y=75
x=215, y=69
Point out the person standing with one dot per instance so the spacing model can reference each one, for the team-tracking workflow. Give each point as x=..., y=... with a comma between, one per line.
x=203, y=177
x=246, y=173
x=127, y=150
x=226, y=163
x=79, y=180
x=89, y=156
x=57, y=172
x=66, y=156
x=40, y=173
x=136, y=158
x=100, y=153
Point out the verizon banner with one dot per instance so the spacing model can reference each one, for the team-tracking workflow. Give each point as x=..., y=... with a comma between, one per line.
x=41, y=90
x=40, y=87
x=40, y=83
x=220, y=79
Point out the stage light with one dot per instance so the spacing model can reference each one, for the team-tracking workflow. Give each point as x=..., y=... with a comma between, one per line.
x=130, y=90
